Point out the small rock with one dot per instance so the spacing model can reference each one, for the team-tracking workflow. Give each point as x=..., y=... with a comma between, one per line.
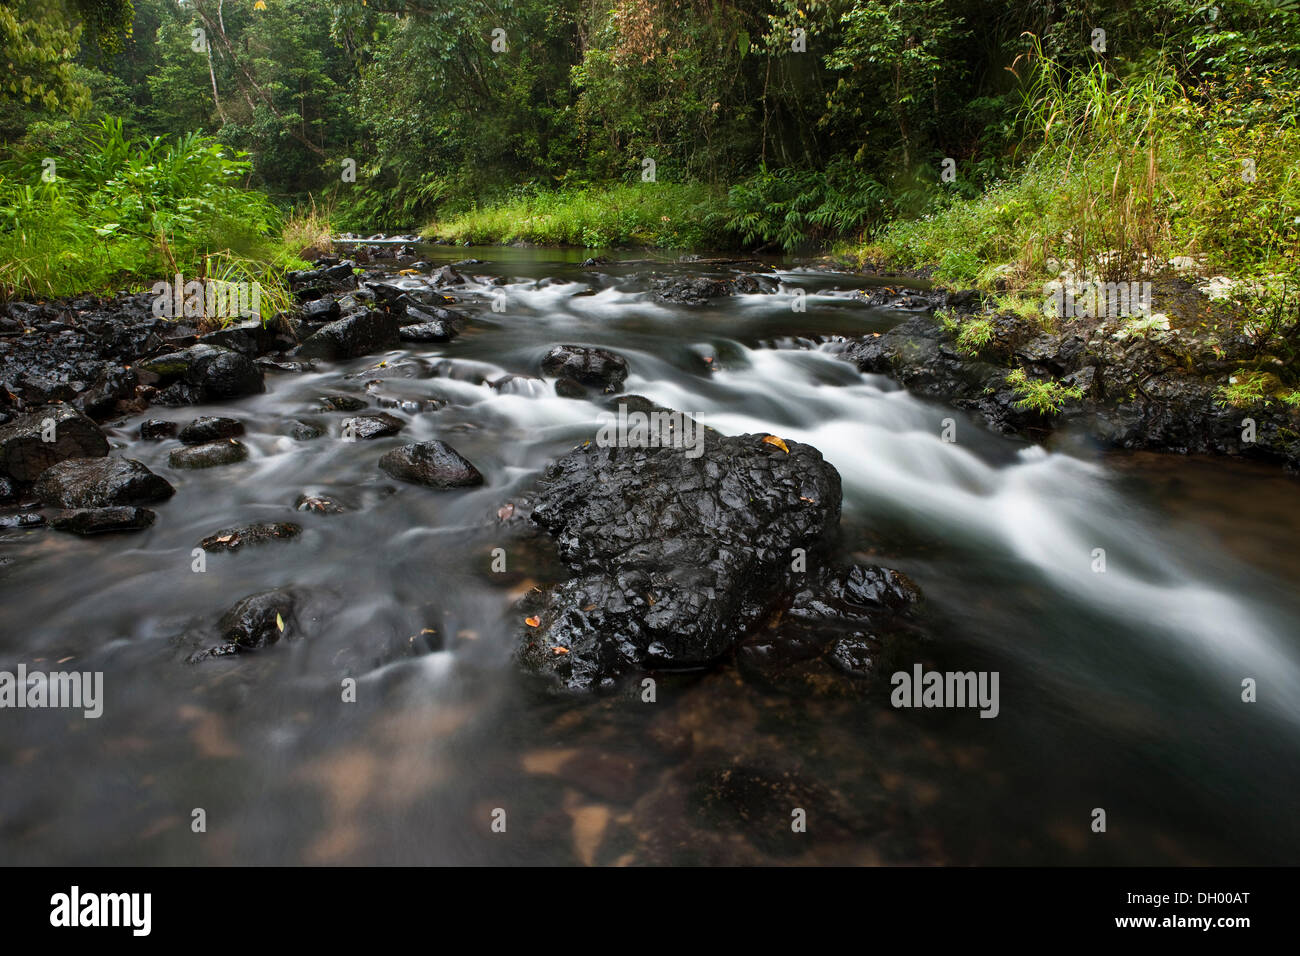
x=365, y=427
x=28, y=519
x=156, y=429
x=208, y=455
x=427, y=332
x=259, y=619
x=319, y=504
x=432, y=463
x=342, y=403
x=570, y=388
x=210, y=429
x=232, y=539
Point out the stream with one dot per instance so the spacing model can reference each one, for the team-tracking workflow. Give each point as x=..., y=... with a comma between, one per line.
x=1119, y=690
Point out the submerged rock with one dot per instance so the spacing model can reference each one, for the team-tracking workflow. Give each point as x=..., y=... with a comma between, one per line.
x=232, y=539
x=22, y=520
x=24, y=452
x=592, y=367
x=320, y=504
x=156, y=429
x=432, y=463
x=100, y=483
x=88, y=521
x=255, y=622
x=305, y=431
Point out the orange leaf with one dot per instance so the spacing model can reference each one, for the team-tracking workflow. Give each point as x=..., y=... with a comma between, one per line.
x=559, y=650
x=773, y=440
x=532, y=621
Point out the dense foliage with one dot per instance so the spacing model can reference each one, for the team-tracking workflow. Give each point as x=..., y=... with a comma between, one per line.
x=967, y=134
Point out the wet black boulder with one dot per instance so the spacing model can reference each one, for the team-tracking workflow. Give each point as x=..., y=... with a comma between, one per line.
x=592, y=367
x=366, y=427
x=24, y=453
x=254, y=622
x=210, y=428
x=674, y=558
x=232, y=539
x=352, y=336
x=432, y=463
x=202, y=373
x=100, y=483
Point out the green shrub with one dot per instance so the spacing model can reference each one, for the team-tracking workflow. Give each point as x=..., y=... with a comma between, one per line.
x=126, y=211
x=1044, y=397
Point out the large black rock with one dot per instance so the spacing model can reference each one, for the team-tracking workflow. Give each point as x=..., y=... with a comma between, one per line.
x=432, y=463
x=596, y=368
x=203, y=373
x=24, y=453
x=352, y=336
x=100, y=483
x=675, y=558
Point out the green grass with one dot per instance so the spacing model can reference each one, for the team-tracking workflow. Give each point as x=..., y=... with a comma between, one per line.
x=123, y=213
x=1127, y=174
x=656, y=215
x=1044, y=397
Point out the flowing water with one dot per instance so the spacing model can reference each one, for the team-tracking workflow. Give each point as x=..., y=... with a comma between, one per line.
x=1119, y=690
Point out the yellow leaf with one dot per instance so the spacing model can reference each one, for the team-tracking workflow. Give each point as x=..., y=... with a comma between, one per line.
x=279, y=622
x=773, y=440
x=532, y=621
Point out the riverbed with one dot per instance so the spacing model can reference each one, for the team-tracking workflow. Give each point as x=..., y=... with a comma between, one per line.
x=1120, y=689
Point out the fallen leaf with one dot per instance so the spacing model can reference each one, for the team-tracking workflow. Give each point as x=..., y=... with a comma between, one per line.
x=773, y=440
x=811, y=501
x=559, y=650
x=532, y=621
x=506, y=511
x=225, y=538
x=279, y=622
x=589, y=607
